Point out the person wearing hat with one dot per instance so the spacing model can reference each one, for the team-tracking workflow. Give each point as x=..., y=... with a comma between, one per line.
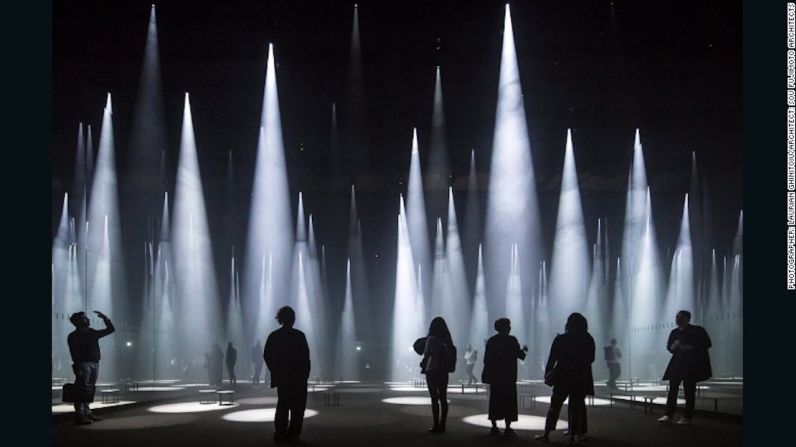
x=84, y=349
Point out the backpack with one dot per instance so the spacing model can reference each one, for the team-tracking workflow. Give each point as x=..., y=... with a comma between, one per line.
x=451, y=356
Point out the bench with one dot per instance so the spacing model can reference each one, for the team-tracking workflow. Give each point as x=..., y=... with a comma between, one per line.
x=206, y=396
x=226, y=396
x=110, y=396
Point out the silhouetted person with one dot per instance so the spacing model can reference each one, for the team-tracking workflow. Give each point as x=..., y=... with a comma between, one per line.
x=85, y=351
x=231, y=357
x=571, y=356
x=256, y=357
x=500, y=372
x=216, y=364
x=288, y=358
x=470, y=357
x=690, y=363
x=435, y=366
x=612, y=356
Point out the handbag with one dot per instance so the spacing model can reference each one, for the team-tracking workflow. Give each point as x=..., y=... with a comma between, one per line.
x=551, y=377
x=69, y=393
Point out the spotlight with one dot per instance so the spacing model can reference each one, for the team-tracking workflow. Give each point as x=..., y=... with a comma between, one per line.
x=359, y=348
x=129, y=343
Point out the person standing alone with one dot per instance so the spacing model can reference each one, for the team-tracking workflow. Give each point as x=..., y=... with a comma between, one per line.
x=287, y=356
x=85, y=351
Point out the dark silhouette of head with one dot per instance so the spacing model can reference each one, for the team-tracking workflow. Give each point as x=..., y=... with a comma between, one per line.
x=79, y=319
x=503, y=325
x=229, y=345
x=438, y=328
x=577, y=323
x=683, y=318
x=613, y=342
x=286, y=316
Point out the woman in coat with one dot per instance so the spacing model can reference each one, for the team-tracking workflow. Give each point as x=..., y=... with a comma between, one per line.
x=500, y=372
x=569, y=371
x=435, y=366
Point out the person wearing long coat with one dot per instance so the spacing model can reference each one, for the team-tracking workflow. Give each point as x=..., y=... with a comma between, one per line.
x=500, y=372
x=568, y=369
x=690, y=363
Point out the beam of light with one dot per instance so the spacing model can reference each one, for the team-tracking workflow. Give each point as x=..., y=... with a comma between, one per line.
x=79, y=185
x=681, y=278
x=523, y=422
x=480, y=328
x=440, y=288
x=167, y=362
x=569, y=266
x=514, y=303
x=646, y=305
x=197, y=304
x=597, y=300
x=353, y=131
x=438, y=170
x=733, y=314
x=459, y=294
x=148, y=133
x=346, y=353
x=301, y=289
x=635, y=208
x=405, y=327
x=265, y=296
x=359, y=274
x=270, y=234
x=512, y=217
x=107, y=286
x=618, y=324
x=145, y=357
x=542, y=330
x=320, y=323
x=712, y=320
x=66, y=293
x=471, y=243
x=699, y=235
x=416, y=215
x=235, y=313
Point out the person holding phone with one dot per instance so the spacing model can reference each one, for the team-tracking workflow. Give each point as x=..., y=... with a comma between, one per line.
x=85, y=351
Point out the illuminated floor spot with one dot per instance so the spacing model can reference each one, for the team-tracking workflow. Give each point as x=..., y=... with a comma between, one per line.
x=523, y=422
x=268, y=400
x=259, y=415
x=597, y=401
x=139, y=422
x=69, y=408
x=189, y=407
x=408, y=400
x=159, y=388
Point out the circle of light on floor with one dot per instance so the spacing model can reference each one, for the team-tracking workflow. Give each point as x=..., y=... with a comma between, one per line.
x=597, y=401
x=523, y=422
x=408, y=400
x=159, y=388
x=259, y=415
x=69, y=408
x=189, y=407
x=408, y=389
x=268, y=400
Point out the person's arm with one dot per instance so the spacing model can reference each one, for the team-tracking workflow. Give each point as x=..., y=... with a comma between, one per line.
x=670, y=346
x=521, y=352
x=268, y=355
x=427, y=350
x=553, y=357
x=109, y=329
x=591, y=348
x=708, y=344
